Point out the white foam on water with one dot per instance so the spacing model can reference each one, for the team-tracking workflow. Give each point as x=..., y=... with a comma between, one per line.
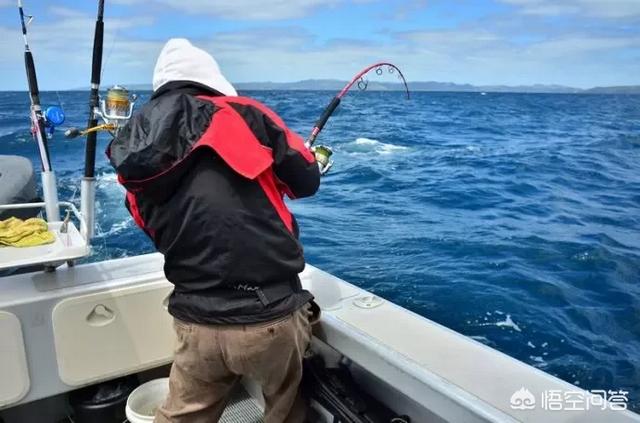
x=11, y=130
x=366, y=145
x=530, y=344
x=538, y=361
x=108, y=177
x=109, y=181
x=585, y=256
x=509, y=323
x=116, y=228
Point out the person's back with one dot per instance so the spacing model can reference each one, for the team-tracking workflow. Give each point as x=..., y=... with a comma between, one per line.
x=205, y=173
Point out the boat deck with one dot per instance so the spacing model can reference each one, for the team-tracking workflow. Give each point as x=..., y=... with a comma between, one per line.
x=242, y=409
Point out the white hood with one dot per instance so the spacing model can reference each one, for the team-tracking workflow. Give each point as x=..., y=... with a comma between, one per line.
x=179, y=60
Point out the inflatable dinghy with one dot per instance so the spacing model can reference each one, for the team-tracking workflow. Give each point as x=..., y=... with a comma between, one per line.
x=17, y=185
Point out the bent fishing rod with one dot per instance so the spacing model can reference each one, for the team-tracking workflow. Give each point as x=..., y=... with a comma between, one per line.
x=40, y=123
x=323, y=153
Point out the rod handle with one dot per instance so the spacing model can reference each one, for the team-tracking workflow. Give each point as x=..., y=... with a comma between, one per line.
x=31, y=75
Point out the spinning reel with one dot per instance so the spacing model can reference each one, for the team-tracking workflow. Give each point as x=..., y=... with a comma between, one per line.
x=115, y=110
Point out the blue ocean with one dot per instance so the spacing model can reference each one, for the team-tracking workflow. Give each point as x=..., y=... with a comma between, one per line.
x=511, y=218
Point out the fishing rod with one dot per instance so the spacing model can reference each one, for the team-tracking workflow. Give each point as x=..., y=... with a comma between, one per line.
x=40, y=125
x=96, y=70
x=88, y=184
x=322, y=152
x=114, y=111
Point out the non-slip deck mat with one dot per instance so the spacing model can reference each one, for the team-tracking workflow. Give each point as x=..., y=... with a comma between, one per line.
x=242, y=409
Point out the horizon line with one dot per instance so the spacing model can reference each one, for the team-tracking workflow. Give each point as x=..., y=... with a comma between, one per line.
x=456, y=87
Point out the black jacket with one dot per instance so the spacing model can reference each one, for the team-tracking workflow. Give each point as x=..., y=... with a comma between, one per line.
x=205, y=177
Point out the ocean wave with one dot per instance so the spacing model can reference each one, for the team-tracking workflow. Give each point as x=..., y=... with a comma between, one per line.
x=368, y=145
x=116, y=228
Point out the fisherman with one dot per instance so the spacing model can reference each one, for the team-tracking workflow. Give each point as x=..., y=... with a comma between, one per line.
x=205, y=172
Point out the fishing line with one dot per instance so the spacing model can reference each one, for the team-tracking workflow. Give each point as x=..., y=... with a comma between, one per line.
x=60, y=103
x=113, y=43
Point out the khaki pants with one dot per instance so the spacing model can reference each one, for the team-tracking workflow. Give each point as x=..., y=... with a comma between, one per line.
x=209, y=360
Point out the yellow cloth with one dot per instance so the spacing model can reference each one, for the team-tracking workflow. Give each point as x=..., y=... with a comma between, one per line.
x=16, y=232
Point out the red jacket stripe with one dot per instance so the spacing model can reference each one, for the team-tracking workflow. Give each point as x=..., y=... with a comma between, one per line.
x=269, y=185
x=294, y=140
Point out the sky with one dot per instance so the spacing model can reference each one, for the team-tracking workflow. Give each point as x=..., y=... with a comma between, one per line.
x=580, y=43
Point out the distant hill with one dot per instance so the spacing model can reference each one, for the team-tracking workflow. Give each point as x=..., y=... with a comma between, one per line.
x=624, y=89
x=332, y=84
x=335, y=85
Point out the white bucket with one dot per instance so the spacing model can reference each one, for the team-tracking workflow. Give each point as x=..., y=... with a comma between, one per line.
x=145, y=400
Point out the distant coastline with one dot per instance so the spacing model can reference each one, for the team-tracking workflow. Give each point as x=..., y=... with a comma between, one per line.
x=330, y=84
x=335, y=85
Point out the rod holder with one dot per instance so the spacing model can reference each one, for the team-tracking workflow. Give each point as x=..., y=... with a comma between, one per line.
x=88, y=205
x=50, y=193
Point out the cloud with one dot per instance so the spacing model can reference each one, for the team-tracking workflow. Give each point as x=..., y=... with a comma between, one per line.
x=407, y=8
x=246, y=9
x=488, y=57
x=610, y=9
x=580, y=45
x=62, y=47
x=289, y=54
x=474, y=55
x=463, y=55
x=521, y=50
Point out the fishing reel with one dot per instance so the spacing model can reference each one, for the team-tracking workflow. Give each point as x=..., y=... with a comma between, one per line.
x=53, y=116
x=323, y=154
x=115, y=110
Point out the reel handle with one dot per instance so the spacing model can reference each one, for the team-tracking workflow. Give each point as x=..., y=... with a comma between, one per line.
x=72, y=133
x=322, y=121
